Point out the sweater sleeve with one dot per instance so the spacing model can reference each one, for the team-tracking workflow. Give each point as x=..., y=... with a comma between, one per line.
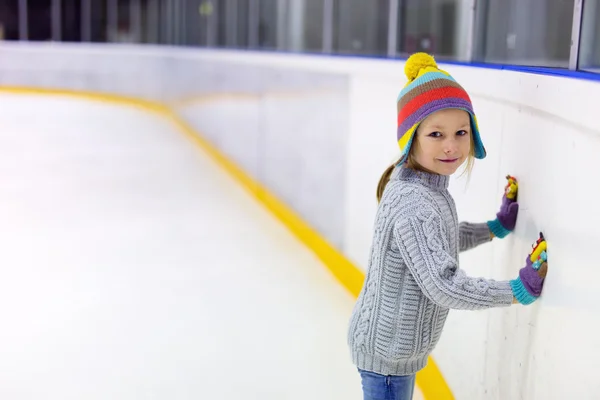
x=471, y=235
x=426, y=252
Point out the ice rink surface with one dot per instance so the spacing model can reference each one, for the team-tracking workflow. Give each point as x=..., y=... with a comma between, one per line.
x=133, y=267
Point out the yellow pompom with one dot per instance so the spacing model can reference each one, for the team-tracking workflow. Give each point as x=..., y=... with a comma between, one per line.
x=416, y=63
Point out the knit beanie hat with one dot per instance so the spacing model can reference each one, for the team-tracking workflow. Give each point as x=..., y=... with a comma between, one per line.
x=429, y=89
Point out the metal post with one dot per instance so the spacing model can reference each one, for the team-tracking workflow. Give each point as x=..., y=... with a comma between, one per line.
x=231, y=24
x=86, y=20
x=344, y=28
x=173, y=13
x=56, y=20
x=284, y=24
x=183, y=22
x=176, y=22
x=213, y=23
x=153, y=21
x=576, y=34
x=253, y=23
x=23, y=28
x=135, y=19
x=392, y=29
x=479, y=33
x=166, y=18
x=327, y=26
x=228, y=23
x=588, y=41
x=470, y=32
x=172, y=24
x=113, y=18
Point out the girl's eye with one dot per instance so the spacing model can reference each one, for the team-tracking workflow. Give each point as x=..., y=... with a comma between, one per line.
x=462, y=133
x=435, y=134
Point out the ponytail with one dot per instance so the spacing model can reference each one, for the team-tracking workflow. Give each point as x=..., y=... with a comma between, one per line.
x=409, y=163
x=385, y=178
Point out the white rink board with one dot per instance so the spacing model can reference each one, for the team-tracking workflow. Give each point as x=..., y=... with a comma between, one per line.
x=543, y=130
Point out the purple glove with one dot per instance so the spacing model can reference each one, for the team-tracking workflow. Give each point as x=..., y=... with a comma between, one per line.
x=531, y=279
x=506, y=218
x=528, y=286
x=507, y=215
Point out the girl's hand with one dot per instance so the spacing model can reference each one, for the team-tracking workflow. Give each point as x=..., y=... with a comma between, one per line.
x=506, y=218
x=512, y=187
x=528, y=286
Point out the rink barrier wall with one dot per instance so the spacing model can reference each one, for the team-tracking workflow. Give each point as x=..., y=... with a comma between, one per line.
x=542, y=129
x=258, y=139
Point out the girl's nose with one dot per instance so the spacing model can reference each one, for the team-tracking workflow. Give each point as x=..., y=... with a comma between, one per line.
x=450, y=147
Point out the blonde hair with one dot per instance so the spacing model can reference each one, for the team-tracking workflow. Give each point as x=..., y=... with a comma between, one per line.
x=412, y=163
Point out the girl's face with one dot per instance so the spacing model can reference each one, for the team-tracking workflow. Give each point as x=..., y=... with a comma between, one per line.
x=443, y=141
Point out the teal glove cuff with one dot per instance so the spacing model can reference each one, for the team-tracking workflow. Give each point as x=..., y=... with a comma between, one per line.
x=497, y=229
x=520, y=293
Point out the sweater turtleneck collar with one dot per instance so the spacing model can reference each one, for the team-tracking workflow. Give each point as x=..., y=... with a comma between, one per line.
x=435, y=181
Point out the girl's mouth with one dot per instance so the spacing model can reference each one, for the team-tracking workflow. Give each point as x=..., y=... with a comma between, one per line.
x=449, y=161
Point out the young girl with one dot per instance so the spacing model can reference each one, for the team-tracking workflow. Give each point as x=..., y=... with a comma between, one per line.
x=413, y=278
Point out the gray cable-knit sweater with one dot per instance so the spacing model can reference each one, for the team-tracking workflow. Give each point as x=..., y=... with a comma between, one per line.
x=413, y=277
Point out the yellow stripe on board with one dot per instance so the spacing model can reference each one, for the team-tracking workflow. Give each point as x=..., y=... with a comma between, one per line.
x=432, y=384
x=349, y=275
x=429, y=380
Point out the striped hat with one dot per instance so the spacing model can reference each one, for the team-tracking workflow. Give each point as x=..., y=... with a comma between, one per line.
x=429, y=89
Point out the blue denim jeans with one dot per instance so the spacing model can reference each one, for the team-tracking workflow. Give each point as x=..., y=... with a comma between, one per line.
x=387, y=387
